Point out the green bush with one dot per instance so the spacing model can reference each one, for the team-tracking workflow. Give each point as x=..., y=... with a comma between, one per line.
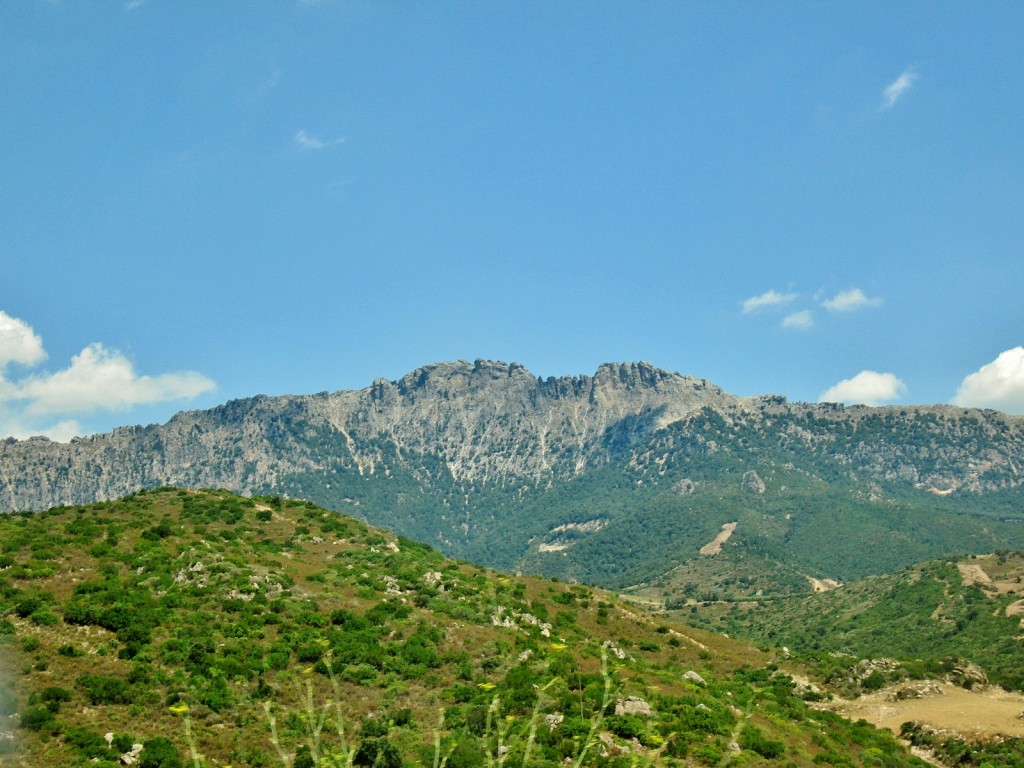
x=87, y=742
x=751, y=738
x=159, y=753
x=100, y=689
x=378, y=753
x=36, y=718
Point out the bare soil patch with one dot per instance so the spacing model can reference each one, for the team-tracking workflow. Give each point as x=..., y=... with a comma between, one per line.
x=823, y=585
x=988, y=712
x=714, y=546
x=973, y=575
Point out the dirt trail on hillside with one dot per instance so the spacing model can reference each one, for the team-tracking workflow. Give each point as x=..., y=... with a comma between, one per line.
x=969, y=713
x=714, y=546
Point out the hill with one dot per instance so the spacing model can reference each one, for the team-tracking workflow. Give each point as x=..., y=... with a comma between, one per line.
x=204, y=628
x=927, y=616
x=619, y=479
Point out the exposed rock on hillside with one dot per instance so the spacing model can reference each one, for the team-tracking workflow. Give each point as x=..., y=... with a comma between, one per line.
x=752, y=482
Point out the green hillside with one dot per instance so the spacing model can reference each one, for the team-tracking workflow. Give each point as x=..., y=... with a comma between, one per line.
x=215, y=630
x=924, y=616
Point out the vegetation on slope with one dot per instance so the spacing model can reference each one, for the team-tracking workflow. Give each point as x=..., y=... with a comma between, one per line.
x=924, y=616
x=217, y=630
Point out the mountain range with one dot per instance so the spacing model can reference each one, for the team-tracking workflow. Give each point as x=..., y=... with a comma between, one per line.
x=623, y=478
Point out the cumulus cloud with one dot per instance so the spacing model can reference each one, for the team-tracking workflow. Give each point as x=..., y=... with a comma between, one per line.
x=849, y=301
x=768, y=299
x=895, y=90
x=306, y=141
x=98, y=379
x=999, y=384
x=801, y=320
x=101, y=379
x=867, y=388
x=18, y=342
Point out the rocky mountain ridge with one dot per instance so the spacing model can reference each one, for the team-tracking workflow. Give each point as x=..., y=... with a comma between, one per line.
x=612, y=479
x=491, y=423
x=488, y=422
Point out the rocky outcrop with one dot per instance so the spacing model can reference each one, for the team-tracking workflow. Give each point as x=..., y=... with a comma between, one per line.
x=633, y=705
x=752, y=483
x=968, y=675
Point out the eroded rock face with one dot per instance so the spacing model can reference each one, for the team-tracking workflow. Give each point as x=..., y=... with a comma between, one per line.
x=968, y=675
x=488, y=422
x=494, y=424
x=752, y=483
x=685, y=487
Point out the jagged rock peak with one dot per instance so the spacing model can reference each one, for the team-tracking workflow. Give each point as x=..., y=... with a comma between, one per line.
x=632, y=375
x=460, y=376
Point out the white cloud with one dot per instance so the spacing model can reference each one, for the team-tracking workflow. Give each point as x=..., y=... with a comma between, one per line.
x=101, y=379
x=97, y=379
x=18, y=342
x=769, y=299
x=801, y=320
x=848, y=301
x=305, y=141
x=898, y=87
x=867, y=387
x=999, y=384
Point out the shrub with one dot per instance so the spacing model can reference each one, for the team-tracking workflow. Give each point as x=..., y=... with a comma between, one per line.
x=89, y=743
x=27, y=606
x=751, y=738
x=159, y=753
x=55, y=694
x=378, y=753
x=36, y=718
x=105, y=690
x=468, y=753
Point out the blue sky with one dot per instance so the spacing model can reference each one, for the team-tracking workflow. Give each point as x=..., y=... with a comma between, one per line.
x=203, y=201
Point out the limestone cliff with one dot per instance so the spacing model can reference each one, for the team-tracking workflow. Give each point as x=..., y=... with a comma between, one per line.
x=487, y=424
